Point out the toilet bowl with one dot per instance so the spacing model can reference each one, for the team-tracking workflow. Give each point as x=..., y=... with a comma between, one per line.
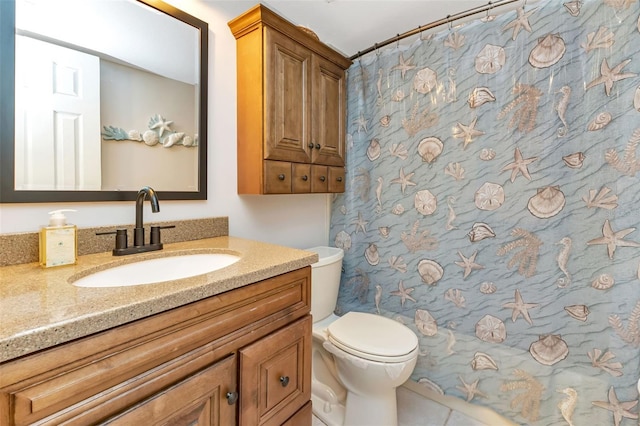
x=359, y=359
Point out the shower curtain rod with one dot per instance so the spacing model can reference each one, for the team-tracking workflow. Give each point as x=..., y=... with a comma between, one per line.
x=450, y=18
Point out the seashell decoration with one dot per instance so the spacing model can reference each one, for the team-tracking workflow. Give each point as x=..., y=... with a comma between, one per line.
x=599, y=122
x=547, y=202
x=398, y=150
x=398, y=209
x=487, y=154
x=430, y=148
x=482, y=361
x=150, y=138
x=429, y=384
x=343, y=240
x=480, y=231
x=603, y=282
x=425, y=323
x=574, y=160
x=188, y=141
x=425, y=80
x=547, y=52
x=384, y=231
x=371, y=254
x=636, y=97
x=398, y=96
x=480, y=96
x=425, y=202
x=430, y=271
x=134, y=135
x=373, y=151
x=489, y=196
x=579, y=312
x=491, y=329
x=573, y=7
x=549, y=349
x=385, y=120
x=455, y=170
x=488, y=287
x=490, y=60
x=172, y=139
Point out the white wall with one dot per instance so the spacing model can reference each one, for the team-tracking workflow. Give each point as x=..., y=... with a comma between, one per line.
x=294, y=220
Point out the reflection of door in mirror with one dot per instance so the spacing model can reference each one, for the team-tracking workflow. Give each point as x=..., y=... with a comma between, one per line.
x=57, y=137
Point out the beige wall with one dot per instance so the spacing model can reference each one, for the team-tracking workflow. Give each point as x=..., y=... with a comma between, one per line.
x=297, y=221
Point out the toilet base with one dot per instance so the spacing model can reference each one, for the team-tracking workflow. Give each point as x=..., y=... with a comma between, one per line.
x=379, y=409
x=330, y=414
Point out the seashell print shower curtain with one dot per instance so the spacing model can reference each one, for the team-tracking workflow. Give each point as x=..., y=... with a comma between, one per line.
x=493, y=206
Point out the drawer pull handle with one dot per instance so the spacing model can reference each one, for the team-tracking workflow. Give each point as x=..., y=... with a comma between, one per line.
x=339, y=179
x=232, y=397
x=310, y=145
x=284, y=381
x=322, y=178
x=318, y=146
x=305, y=178
x=281, y=176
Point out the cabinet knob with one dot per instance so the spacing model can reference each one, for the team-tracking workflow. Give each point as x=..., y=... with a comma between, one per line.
x=310, y=145
x=281, y=176
x=322, y=178
x=318, y=146
x=339, y=179
x=284, y=381
x=232, y=397
x=305, y=178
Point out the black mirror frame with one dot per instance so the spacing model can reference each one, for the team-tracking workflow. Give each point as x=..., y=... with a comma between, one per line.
x=8, y=194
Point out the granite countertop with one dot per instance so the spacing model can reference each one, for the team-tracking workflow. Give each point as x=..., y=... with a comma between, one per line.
x=40, y=308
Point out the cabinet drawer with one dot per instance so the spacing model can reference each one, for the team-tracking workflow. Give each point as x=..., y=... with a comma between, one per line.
x=275, y=379
x=336, y=179
x=319, y=178
x=200, y=399
x=277, y=177
x=301, y=180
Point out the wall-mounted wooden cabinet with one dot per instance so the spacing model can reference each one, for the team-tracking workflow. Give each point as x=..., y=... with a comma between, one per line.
x=240, y=357
x=291, y=107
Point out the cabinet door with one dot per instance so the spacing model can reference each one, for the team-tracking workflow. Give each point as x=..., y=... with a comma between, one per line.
x=275, y=375
x=288, y=91
x=328, y=112
x=206, y=398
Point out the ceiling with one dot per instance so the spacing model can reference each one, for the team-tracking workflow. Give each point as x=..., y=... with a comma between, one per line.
x=351, y=26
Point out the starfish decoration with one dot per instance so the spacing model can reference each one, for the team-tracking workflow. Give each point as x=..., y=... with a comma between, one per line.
x=161, y=124
x=608, y=76
x=613, y=239
x=620, y=409
x=362, y=123
x=519, y=165
x=360, y=223
x=520, y=308
x=522, y=21
x=404, y=293
x=403, y=65
x=468, y=264
x=403, y=180
x=467, y=132
x=471, y=389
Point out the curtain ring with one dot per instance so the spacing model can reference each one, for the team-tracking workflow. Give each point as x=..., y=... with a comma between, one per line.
x=449, y=21
x=398, y=41
x=489, y=8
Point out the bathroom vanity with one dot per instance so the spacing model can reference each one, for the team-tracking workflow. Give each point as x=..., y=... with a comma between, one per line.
x=225, y=348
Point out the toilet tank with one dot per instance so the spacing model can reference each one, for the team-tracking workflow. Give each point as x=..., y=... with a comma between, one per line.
x=325, y=281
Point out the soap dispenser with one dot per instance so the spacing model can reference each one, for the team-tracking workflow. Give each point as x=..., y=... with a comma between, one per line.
x=58, y=241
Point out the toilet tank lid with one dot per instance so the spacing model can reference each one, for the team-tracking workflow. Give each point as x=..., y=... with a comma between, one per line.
x=326, y=255
x=373, y=334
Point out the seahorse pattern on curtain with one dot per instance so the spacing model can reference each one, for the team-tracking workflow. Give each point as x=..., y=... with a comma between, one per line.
x=492, y=206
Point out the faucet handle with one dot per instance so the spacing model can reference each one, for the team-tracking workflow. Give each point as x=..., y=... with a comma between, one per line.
x=121, y=237
x=155, y=233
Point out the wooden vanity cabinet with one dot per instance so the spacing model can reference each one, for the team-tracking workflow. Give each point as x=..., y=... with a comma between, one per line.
x=291, y=107
x=241, y=357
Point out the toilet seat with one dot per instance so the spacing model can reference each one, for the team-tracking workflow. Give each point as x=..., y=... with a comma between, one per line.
x=373, y=337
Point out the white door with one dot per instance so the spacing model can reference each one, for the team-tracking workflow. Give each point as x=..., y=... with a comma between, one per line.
x=57, y=136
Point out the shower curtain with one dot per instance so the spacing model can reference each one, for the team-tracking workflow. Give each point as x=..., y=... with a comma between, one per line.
x=493, y=206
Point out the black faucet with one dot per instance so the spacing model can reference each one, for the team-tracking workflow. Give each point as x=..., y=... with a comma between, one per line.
x=139, y=245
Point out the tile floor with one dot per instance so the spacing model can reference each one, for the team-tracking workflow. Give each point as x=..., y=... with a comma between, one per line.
x=415, y=409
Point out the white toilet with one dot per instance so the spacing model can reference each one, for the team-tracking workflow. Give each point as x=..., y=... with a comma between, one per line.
x=359, y=359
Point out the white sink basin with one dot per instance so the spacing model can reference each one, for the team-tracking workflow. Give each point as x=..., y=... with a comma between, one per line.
x=152, y=271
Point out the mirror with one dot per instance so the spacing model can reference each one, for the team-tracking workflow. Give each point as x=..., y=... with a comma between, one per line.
x=100, y=98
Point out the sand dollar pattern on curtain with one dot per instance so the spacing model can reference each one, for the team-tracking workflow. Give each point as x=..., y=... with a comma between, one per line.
x=492, y=206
